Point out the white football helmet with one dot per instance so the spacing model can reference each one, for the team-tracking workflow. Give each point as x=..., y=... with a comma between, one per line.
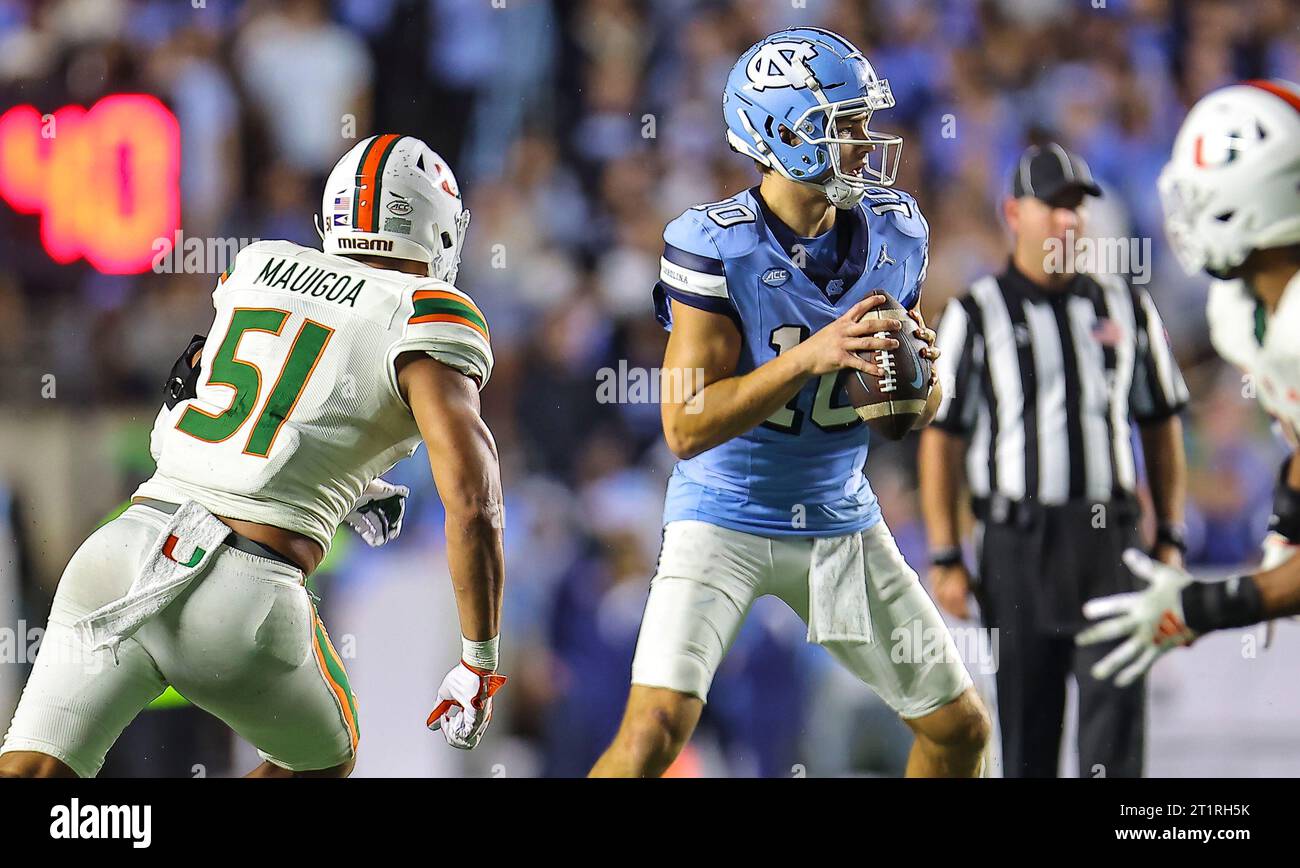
x=393, y=196
x=1232, y=184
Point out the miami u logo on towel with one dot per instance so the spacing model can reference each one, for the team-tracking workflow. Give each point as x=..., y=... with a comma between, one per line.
x=170, y=546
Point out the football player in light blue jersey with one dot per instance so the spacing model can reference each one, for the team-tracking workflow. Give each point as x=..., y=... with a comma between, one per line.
x=766, y=293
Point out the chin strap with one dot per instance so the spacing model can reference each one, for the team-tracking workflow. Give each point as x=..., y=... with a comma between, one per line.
x=841, y=195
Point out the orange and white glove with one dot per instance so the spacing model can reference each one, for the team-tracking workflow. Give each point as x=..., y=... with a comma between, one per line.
x=1151, y=621
x=465, y=704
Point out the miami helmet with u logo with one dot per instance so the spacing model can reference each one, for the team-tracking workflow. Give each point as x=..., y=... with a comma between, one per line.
x=393, y=196
x=795, y=97
x=1232, y=183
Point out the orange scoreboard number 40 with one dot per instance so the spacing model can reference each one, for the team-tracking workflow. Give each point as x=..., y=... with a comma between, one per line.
x=104, y=180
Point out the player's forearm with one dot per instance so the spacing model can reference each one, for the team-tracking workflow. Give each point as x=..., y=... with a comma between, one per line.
x=1279, y=589
x=463, y=458
x=1242, y=600
x=939, y=463
x=470, y=487
x=476, y=560
x=729, y=407
x=1162, y=448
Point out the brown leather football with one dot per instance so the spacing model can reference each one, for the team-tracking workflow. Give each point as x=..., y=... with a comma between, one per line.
x=892, y=402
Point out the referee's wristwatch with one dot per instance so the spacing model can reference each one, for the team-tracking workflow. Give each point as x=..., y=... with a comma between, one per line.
x=1171, y=534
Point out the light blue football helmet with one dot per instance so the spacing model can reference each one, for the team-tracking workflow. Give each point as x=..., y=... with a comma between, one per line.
x=808, y=80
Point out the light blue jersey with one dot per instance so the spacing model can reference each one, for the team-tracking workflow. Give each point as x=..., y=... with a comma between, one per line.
x=800, y=473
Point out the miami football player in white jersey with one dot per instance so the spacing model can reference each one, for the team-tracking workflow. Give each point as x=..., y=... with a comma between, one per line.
x=321, y=371
x=1231, y=194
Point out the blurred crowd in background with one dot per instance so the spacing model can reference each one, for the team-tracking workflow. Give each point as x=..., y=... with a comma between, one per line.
x=578, y=128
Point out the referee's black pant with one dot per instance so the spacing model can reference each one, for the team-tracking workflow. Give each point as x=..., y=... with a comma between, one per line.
x=1037, y=566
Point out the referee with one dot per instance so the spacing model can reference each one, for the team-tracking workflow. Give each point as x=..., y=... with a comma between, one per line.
x=1044, y=375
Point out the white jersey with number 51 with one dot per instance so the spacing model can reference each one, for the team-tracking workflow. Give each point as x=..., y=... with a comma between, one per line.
x=297, y=407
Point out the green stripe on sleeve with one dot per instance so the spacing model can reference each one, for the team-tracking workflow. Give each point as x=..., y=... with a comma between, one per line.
x=426, y=306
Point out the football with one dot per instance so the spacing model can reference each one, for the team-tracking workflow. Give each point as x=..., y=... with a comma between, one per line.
x=892, y=402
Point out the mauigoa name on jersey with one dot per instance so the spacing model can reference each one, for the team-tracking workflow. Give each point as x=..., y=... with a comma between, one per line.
x=312, y=280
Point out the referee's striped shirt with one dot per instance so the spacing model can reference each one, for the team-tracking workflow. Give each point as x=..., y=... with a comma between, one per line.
x=1045, y=385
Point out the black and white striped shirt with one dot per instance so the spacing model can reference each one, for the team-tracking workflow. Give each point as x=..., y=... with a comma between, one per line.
x=1045, y=385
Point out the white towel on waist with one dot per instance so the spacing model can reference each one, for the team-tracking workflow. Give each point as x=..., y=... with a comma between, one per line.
x=183, y=549
x=837, y=591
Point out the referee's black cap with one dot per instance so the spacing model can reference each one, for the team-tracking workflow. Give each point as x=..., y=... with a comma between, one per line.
x=1051, y=173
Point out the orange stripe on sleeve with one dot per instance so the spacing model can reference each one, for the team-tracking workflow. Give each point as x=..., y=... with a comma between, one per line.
x=451, y=318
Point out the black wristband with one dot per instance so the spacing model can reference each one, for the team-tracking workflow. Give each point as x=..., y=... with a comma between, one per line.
x=949, y=556
x=1172, y=535
x=1285, y=519
x=1222, y=605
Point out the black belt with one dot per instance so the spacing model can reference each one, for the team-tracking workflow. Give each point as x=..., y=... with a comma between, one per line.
x=234, y=540
x=999, y=509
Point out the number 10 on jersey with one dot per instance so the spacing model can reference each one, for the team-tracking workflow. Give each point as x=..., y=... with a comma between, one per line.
x=825, y=414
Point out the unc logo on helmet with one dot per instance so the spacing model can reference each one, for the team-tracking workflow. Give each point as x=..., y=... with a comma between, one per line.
x=790, y=102
x=781, y=64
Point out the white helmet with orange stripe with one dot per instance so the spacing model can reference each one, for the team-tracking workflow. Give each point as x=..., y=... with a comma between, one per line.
x=1232, y=184
x=393, y=196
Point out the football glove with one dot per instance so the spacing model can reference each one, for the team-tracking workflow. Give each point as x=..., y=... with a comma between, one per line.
x=377, y=516
x=470, y=690
x=1152, y=619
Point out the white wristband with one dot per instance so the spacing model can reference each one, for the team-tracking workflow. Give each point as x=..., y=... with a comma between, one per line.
x=481, y=655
